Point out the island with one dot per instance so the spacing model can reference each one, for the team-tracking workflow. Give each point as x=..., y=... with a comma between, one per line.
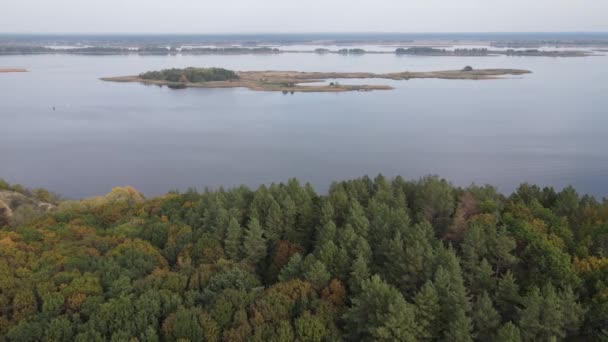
x=6, y=70
x=296, y=81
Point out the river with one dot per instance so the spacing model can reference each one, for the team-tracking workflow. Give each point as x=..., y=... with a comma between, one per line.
x=549, y=127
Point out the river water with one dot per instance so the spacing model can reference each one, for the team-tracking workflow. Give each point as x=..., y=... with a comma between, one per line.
x=548, y=128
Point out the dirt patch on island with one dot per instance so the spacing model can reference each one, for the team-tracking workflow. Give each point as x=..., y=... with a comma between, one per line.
x=5, y=70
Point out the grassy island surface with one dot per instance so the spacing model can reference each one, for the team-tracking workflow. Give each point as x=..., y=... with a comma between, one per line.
x=296, y=81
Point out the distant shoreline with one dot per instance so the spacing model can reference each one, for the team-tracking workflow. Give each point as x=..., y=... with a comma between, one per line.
x=420, y=49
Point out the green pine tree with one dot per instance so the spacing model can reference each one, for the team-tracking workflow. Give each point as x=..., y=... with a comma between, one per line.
x=310, y=328
x=509, y=332
x=453, y=322
x=459, y=329
x=275, y=227
x=359, y=273
x=485, y=318
x=232, y=243
x=358, y=220
x=427, y=307
x=326, y=233
x=316, y=274
x=507, y=296
x=293, y=269
x=380, y=313
x=254, y=243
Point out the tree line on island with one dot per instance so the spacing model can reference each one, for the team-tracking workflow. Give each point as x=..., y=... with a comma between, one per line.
x=190, y=75
x=372, y=260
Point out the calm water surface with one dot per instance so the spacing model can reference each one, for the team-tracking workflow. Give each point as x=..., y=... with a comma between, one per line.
x=549, y=128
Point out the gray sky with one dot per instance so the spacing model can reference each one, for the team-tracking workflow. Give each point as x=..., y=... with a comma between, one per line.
x=229, y=16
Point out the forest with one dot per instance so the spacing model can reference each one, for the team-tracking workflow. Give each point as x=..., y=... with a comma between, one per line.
x=372, y=259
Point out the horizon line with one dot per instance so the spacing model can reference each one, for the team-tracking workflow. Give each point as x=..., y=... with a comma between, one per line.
x=304, y=32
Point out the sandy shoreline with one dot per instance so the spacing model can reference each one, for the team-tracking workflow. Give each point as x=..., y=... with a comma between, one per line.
x=5, y=70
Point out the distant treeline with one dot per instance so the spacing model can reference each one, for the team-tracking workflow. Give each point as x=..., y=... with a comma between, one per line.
x=536, y=52
x=351, y=51
x=429, y=51
x=230, y=50
x=156, y=50
x=556, y=43
x=33, y=50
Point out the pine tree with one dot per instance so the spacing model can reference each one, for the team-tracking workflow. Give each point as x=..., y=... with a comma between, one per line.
x=310, y=328
x=281, y=252
x=459, y=329
x=327, y=254
x=274, y=223
x=502, y=246
x=348, y=238
x=485, y=318
x=573, y=312
x=342, y=263
x=289, y=213
x=435, y=201
x=507, y=296
x=359, y=273
x=254, y=243
x=327, y=212
x=542, y=317
x=362, y=248
x=254, y=214
x=149, y=335
x=232, y=243
x=485, y=240
x=293, y=269
x=453, y=322
x=449, y=283
x=380, y=313
x=474, y=247
x=427, y=309
x=530, y=316
x=315, y=272
x=325, y=234
x=482, y=279
x=400, y=324
x=509, y=332
x=358, y=220
x=185, y=324
x=409, y=258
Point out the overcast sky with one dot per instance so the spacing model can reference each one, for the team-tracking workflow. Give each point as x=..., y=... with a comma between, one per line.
x=231, y=16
